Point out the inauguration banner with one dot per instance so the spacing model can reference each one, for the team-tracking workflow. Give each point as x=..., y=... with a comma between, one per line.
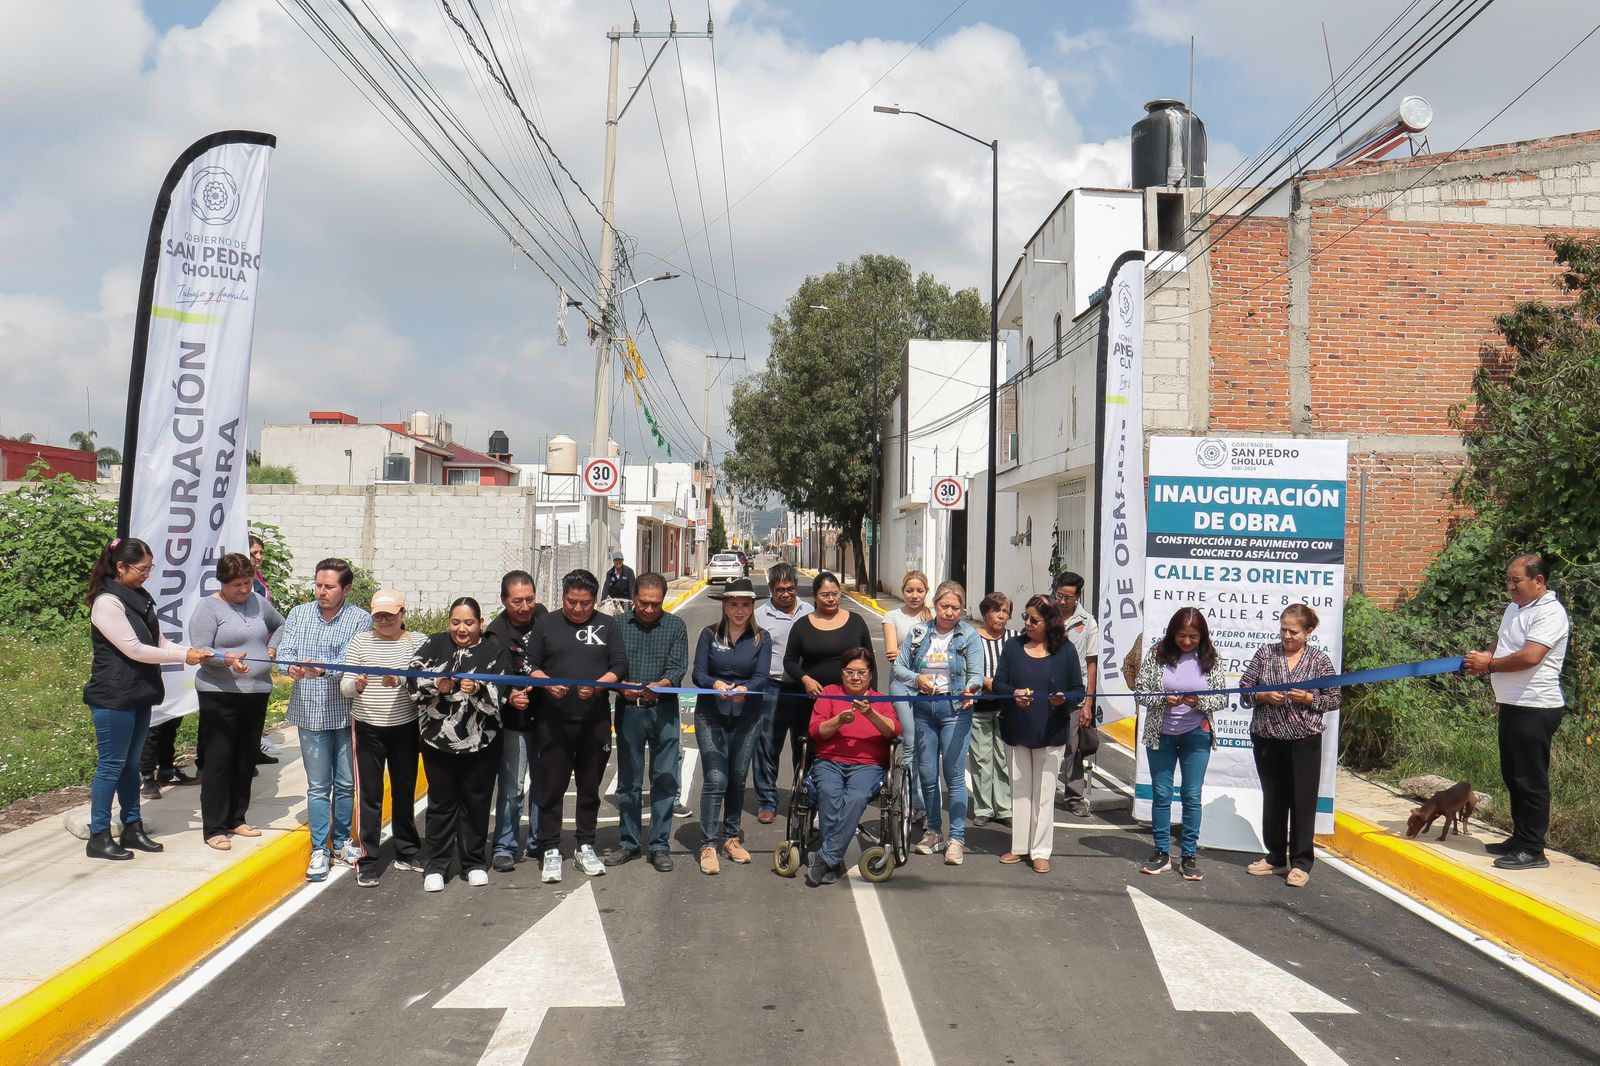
x=183, y=482
x=1119, y=503
x=1241, y=528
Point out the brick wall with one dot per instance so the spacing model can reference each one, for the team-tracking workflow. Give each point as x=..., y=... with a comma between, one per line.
x=1365, y=314
x=1250, y=325
x=432, y=542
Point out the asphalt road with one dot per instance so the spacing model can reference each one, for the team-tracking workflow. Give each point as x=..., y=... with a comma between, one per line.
x=981, y=963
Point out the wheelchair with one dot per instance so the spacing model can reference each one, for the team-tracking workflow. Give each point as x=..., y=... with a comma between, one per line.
x=885, y=830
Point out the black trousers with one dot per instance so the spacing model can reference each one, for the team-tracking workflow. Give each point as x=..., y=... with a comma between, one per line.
x=571, y=749
x=460, y=790
x=1525, y=735
x=395, y=748
x=160, y=748
x=1290, y=771
x=231, y=723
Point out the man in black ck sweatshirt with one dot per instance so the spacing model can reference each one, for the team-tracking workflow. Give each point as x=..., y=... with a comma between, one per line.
x=574, y=722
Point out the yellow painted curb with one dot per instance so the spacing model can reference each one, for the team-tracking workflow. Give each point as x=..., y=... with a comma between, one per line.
x=685, y=596
x=868, y=600
x=79, y=1003
x=1560, y=940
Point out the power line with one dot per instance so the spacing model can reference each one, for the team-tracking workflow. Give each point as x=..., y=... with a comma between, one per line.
x=727, y=212
x=700, y=194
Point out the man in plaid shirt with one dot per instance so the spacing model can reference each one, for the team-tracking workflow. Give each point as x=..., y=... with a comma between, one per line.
x=320, y=632
x=658, y=654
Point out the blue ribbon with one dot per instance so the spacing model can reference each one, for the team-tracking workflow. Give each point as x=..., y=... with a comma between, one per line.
x=1426, y=668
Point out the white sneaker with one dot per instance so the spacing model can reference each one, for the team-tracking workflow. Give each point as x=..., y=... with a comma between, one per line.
x=347, y=854
x=477, y=876
x=433, y=883
x=317, y=868
x=588, y=862
x=550, y=873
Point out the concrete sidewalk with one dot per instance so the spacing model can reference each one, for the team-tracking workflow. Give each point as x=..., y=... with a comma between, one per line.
x=89, y=938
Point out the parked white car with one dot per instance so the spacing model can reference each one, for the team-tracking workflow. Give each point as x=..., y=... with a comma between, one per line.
x=724, y=566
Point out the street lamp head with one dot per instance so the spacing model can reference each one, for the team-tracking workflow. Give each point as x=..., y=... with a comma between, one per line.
x=818, y=307
x=668, y=276
x=884, y=109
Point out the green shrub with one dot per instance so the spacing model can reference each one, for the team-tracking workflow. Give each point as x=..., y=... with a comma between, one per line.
x=52, y=530
x=270, y=475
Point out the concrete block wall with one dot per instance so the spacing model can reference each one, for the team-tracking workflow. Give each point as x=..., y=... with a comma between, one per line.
x=432, y=542
x=1167, y=354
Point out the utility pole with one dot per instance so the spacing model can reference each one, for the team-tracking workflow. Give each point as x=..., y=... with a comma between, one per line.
x=600, y=443
x=707, y=493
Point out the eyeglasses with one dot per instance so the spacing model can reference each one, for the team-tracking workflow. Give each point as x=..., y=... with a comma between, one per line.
x=858, y=673
x=1033, y=620
x=142, y=571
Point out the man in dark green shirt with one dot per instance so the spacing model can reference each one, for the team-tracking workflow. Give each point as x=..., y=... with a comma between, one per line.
x=657, y=644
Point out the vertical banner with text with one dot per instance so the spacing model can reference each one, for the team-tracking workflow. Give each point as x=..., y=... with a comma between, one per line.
x=1119, y=502
x=183, y=487
x=1241, y=528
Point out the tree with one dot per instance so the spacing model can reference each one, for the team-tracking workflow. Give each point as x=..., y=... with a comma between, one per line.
x=1532, y=434
x=802, y=426
x=83, y=439
x=52, y=529
x=718, y=537
x=108, y=455
x=26, y=438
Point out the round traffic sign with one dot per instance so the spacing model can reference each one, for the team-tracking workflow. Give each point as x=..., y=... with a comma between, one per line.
x=948, y=492
x=600, y=477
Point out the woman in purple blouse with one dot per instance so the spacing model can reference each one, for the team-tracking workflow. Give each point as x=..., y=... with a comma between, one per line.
x=1178, y=732
x=1287, y=734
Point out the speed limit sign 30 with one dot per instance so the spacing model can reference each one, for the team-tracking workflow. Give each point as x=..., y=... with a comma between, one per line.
x=948, y=494
x=601, y=476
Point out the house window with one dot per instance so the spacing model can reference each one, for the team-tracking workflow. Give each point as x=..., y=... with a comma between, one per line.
x=1072, y=520
x=469, y=476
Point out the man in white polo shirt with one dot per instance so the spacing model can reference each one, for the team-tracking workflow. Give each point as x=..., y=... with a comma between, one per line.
x=1525, y=670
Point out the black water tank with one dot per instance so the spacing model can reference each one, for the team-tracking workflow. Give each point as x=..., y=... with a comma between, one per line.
x=396, y=467
x=499, y=443
x=1168, y=143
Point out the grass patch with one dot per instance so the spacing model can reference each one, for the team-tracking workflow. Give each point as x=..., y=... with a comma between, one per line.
x=46, y=735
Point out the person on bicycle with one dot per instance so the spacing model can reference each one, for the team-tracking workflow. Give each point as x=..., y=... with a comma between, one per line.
x=620, y=580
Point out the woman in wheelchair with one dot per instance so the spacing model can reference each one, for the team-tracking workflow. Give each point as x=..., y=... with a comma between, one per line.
x=851, y=739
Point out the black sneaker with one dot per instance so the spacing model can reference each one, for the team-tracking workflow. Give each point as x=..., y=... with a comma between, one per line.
x=1522, y=860
x=1190, y=868
x=680, y=811
x=1501, y=847
x=148, y=788
x=366, y=877
x=1159, y=862
x=502, y=863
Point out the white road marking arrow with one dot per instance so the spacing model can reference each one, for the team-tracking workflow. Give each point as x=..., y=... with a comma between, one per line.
x=1206, y=971
x=563, y=960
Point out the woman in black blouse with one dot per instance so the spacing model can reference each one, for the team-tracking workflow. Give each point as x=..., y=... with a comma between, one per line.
x=460, y=721
x=817, y=642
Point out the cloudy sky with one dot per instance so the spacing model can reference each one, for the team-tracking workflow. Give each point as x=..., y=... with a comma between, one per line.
x=384, y=291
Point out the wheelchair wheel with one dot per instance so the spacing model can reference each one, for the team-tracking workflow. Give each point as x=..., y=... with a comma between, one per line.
x=786, y=859
x=900, y=824
x=876, y=865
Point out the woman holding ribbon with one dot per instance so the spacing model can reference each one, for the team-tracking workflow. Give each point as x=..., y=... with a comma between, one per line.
x=942, y=659
x=1286, y=731
x=734, y=658
x=238, y=621
x=1178, y=733
x=852, y=735
x=124, y=684
x=1040, y=671
x=459, y=720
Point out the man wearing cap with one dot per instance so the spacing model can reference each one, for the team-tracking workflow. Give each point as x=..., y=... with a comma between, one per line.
x=384, y=727
x=620, y=582
x=657, y=644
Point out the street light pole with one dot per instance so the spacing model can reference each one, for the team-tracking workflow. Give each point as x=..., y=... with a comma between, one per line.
x=994, y=332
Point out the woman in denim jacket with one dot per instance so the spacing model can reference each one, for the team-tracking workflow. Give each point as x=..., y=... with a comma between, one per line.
x=944, y=655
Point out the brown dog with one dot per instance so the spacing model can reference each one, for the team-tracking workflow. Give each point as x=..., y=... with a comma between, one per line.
x=1456, y=803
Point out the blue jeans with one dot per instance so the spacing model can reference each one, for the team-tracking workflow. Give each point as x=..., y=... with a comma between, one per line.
x=908, y=742
x=943, y=730
x=843, y=791
x=518, y=756
x=637, y=726
x=326, y=754
x=726, y=748
x=119, y=736
x=783, y=717
x=1190, y=752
